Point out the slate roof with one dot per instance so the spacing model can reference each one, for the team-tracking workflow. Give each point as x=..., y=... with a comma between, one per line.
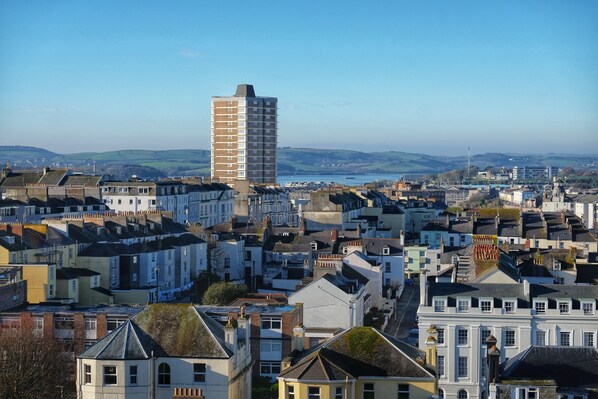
x=568, y=367
x=587, y=274
x=499, y=291
x=167, y=331
x=359, y=352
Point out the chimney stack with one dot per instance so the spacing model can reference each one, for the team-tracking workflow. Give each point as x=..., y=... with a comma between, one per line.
x=423, y=287
x=298, y=343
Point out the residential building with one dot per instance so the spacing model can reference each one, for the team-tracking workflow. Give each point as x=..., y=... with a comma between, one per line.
x=549, y=373
x=517, y=315
x=244, y=136
x=361, y=362
x=256, y=202
x=139, y=196
x=210, y=204
x=329, y=209
x=535, y=173
x=13, y=289
x=333, y=299
x=167, y=347
x=78, y=328
x=271, y=330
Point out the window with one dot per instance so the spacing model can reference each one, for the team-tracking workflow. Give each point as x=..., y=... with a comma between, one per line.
x=133, y=375
x=368, y=391
x=338, y=393
x=439, y=305
x=270, y=346
x=588, y=338
x=90, y=324
x=313, y=392
x=387, y=267
x=269, y=368
x=87, y=372
x=509, y=306
x=486, y=305
x=588, y=308
x=440, y=340
x=564, y=307
x=199, y=372
x=484, y=335
x=510, y=338
x=271, y=323
x=462, y=394
x=462, y=305
x=462, y=336
x=290, y=392
x=540, y=307
x=440, y=365
x=540, y=338
x=527, y=393
x=565, y=338
x=462, y=367
x=163, y=374
x=403, y=391
x=110, y=375
x=440, y=393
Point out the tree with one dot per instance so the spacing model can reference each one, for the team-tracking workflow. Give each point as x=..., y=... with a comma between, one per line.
x=31, y=366
x=202, y=282
x=223, y=293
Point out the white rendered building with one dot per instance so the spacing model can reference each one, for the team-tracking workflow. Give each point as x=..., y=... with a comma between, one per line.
x=517, y=315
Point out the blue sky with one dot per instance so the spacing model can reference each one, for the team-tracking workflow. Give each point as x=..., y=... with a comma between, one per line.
x=416, y=76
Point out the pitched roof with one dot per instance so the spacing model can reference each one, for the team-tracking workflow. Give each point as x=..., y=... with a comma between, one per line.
x=567, y=366
x=359, y=352
x=166, y=330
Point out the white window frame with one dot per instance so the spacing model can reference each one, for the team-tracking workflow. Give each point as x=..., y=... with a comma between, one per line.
x=569, y=336
x=463, y=305
x=440, y=304
x=483, y=301
x=591, y=341
x=512, y=301
x=460, y=374
x=513, y=343
x=524, y=393
x=540, y=306
x=588, y=307
x=105, y=374
x=564, y=307
x=544, y=338
x=460, y=336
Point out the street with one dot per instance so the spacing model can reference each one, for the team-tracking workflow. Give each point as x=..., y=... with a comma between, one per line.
x=405, y=312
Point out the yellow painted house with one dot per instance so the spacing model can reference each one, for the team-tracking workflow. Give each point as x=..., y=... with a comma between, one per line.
x=359, y=363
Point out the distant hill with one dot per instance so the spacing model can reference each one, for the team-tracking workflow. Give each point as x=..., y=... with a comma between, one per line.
x=290, y=161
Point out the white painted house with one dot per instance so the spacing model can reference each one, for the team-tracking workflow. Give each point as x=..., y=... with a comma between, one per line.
x=517, y=315
x=167, y=347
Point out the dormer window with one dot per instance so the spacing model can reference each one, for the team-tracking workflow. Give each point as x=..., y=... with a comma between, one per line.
x=486, y=305
x=564, y=307
x=345, y=250
x=540, y=306
x=509, y=305
x=587, y=307
x=439, y=304
x=386, y=250
x=314, y=245
x=463, y=305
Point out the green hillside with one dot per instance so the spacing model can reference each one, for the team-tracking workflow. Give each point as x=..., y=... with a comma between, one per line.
x=195, y=162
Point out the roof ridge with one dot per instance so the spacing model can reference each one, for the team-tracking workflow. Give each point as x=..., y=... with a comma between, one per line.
x=383, y=335
x=199, y=316
x=337, y=366
x=110, y=337
x=133, y=327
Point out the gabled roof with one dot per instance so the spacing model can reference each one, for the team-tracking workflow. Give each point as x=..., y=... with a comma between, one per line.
x=359, y=352
x=567, y=366
x=167, y=331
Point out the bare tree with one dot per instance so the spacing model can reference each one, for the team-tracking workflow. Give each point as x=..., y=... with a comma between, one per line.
x=31, y=366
